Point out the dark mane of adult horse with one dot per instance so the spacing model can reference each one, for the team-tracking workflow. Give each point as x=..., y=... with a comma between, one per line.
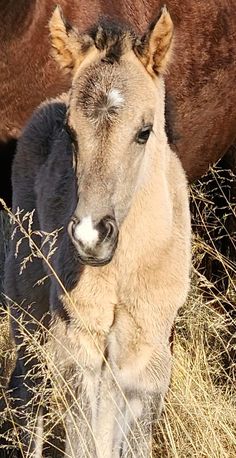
x=200, y=82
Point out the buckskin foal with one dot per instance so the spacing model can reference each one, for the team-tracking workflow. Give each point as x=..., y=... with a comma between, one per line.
x=97, y=162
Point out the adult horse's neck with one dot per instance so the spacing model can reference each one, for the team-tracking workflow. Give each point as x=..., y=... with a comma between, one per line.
x=16, y=16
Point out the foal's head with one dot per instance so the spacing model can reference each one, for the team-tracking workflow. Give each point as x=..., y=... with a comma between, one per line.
x=115, y=113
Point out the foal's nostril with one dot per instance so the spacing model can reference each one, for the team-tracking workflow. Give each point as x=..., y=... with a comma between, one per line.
x=72, y=227
x=107, y=229
x=110, y=229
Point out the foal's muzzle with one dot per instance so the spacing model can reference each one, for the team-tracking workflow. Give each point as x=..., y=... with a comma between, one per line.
x=95, y=244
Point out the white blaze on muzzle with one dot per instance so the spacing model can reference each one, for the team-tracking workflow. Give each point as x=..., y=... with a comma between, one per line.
x=85, y=232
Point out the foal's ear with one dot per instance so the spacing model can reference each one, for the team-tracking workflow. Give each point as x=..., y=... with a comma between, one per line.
x=154, y=48
x=69, y=47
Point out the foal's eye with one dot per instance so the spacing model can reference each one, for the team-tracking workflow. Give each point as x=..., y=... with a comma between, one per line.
x=143, y=135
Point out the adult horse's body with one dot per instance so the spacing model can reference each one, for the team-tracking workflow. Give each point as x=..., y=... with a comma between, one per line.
x=200, y=82
x=112, y=183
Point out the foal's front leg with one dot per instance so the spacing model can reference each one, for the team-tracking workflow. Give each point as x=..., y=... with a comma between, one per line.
x=77, y=363
x=133, y=390
x=119, y=431
x=91, y=310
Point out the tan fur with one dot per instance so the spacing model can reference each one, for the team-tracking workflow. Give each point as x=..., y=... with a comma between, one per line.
x=67, y=45
x=122, y=313
x=157, y=54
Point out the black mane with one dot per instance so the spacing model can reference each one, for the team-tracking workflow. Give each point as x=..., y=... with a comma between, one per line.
x=112, y=36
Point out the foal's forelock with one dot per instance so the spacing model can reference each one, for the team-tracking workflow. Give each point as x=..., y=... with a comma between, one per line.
x=99, y=94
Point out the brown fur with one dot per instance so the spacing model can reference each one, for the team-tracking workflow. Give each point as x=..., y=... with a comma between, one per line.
x=200, y=79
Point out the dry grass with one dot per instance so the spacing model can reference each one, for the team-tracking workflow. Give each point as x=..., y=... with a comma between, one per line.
x=200, y=412
x=199, y=418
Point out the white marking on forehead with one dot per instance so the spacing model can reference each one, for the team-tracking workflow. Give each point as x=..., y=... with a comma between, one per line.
x=85, y=232
x=114, y=98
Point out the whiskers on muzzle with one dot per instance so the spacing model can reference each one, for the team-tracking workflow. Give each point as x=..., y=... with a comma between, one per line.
x=95, y=244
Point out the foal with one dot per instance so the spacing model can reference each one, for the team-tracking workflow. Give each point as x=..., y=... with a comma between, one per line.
x=123, y=204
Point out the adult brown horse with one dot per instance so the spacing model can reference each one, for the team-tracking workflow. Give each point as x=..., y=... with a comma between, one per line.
x=200, y=83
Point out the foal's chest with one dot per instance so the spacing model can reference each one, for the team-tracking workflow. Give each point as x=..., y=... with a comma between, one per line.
x=93, y=300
